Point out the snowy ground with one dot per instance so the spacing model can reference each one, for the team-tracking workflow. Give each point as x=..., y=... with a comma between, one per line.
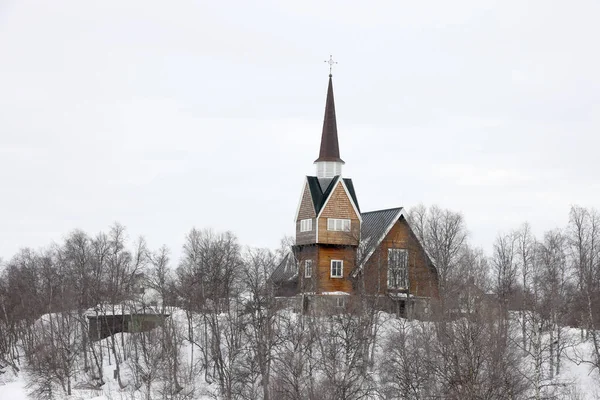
x=14, y=390
x=578, y=376
x=584, y=380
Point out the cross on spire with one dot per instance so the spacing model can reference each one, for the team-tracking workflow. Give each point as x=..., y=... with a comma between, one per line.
x=331, y=63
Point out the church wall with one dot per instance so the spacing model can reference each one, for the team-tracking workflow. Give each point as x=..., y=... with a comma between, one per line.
x=324, y=281
x=306, y=211
x=422, y=279
x=339, y=206
x=302, y=254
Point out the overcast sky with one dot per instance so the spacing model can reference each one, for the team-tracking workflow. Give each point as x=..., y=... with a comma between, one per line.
x=170, y=115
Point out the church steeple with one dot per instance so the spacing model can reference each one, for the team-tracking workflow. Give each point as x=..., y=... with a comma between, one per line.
x=330, y=150
x=329, y=163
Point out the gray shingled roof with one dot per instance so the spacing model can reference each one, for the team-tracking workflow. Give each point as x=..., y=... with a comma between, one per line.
x=372, y=231
x=374, y=225
x=286, y=271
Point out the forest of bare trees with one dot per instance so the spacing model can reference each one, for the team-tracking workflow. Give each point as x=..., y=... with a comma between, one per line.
x=502, y=328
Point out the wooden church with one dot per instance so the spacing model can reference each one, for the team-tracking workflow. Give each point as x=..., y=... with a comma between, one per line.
x=340, y=251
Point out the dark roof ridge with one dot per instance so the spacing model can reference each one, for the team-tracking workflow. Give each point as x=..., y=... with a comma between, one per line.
x=317, y=194
x=350, y=187
x=319, y=197
x=383, y=209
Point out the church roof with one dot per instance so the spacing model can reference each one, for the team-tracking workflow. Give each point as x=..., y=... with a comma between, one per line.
x=286, y=271
x=320, y=189
x=374, y=228
x=330, y=150
x=375, y=225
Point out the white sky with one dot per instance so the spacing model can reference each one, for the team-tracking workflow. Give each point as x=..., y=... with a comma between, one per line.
x=169, y=115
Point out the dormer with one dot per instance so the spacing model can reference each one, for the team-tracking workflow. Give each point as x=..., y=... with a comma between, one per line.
x=339, y=219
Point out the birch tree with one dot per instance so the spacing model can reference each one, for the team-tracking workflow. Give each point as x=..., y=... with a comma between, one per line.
x=443, y=233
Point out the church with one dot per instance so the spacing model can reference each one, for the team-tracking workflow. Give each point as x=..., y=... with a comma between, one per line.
x=341, y=251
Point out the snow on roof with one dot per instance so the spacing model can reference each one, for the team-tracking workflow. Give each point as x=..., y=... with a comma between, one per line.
x=399, y=295
x=121, y=309
x=335, y=294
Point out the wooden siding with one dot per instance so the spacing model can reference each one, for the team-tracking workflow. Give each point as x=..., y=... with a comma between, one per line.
x=324, y=281
x=422, y=278
x=339, y=206
x=307, y=253
x=306, y=211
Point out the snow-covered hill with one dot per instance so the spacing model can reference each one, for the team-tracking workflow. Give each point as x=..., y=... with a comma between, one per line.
x=144, y=364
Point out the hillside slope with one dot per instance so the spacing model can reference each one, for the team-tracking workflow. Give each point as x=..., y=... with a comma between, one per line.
x=144, y=365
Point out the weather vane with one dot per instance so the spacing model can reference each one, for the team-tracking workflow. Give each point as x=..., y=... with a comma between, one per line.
x=330, y=62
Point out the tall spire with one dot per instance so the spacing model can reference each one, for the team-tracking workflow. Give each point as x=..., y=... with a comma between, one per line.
x=330, y=150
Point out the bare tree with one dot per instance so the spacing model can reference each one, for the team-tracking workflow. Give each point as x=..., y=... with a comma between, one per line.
x=443, y=233
x=341, y=339
x=76, y=253
x=473, y=266
x=552, y=256
x=54, y=358
x=210, y=271
x=584, y=241
x=505, y=268
x=159, y=279
x=526, y=246
x=9, y=329
x=124, y=270
x=261, y=311
x=292, y=359
x=542, y=340
x=285, y=245
x=408, y=363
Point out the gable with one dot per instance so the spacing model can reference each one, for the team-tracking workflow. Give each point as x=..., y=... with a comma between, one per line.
x=401, y=236
x=378, y=226
x=417, y=243
x=339, y=205
x=321, y=189
x=420, y=271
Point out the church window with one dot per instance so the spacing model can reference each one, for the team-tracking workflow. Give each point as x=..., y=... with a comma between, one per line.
x=337, y=268
x=397, y=269
x=308, y=266
x=306, y=225
x=340, y=302
x=335, y=224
